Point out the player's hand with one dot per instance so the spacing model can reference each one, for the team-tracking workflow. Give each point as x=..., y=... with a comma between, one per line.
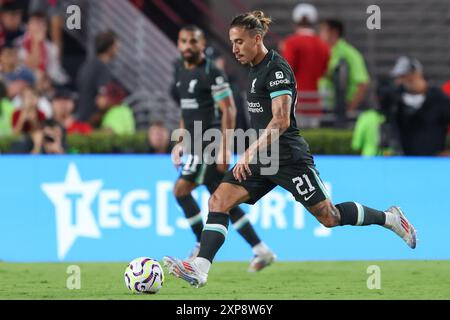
x=242, y=169
x=177, y=153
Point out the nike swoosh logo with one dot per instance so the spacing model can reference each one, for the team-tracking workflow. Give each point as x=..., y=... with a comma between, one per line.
x=310, y=196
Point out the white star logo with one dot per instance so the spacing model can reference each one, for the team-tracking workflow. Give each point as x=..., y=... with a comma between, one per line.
x=72, y=200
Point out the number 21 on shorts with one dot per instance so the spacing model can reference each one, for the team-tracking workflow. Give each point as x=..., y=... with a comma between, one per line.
x=299, y=183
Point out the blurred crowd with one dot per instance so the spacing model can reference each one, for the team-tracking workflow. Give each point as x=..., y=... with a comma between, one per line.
x=42, y=103
x=399, y=114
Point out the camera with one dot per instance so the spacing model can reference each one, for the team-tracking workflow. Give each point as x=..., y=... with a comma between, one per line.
x=49, y=139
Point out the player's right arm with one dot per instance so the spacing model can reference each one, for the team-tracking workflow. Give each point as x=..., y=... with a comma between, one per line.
x=280, y=86
x=281, y=110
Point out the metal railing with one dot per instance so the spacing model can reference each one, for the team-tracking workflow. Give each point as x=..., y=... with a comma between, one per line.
x=144, y=64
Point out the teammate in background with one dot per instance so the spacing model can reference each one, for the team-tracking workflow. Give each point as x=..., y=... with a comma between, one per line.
x=205, y=96
x=271, y=83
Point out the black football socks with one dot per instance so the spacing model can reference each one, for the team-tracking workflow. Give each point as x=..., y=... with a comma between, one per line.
x=355, y=214
x=192, y=213
x=243, y=226
x=213, y=235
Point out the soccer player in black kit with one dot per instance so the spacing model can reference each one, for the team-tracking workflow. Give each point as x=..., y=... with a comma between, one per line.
x=206, y=98
x=271, y=96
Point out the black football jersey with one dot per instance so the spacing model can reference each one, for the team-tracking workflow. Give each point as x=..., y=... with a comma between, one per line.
x=271, y=78
x=195, y=90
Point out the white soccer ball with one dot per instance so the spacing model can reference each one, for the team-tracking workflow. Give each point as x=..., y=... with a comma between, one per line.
x=144, y=275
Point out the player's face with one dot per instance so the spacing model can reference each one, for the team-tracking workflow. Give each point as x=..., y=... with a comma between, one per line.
x=191, y=44
x=245, y=46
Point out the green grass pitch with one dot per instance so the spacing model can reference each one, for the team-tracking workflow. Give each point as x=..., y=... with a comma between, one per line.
x=230, y=280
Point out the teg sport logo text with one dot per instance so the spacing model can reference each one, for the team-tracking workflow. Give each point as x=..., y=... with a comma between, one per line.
x=77, y=216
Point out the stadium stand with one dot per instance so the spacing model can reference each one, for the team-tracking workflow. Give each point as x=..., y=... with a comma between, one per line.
x=144, y=61
x=379, y=47
x=147, y=33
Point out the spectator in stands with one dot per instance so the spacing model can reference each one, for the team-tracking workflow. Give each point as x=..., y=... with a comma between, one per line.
x=17, y=83
x=446, y=88
x=10, y=65
x=308, y=56
x=376, y=131
x=11, y=24
x=44, y=86
x=6, y=112
x=158, y=138
x=347, y=76
x=9, y=60
x=63, y=105
x=53, y=11
x=20, y=80
x=93, y=75
x=118, y=117
x=52, y=138
x=28, y=118
x=421, y=111
x=18, y=77
x=366, y=135
x=40, y=54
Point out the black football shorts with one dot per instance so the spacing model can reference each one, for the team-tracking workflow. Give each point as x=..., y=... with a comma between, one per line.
x=300, y=179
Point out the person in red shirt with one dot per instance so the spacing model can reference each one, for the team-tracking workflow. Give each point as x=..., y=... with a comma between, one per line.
x=40, y=54
x=446, y=88
x=63, y=106
x=28, y=118
x=308, y=56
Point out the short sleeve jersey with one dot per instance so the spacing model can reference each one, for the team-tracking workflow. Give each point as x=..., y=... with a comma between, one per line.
x=196, y=89
x=271, y=78
x=358, y=73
